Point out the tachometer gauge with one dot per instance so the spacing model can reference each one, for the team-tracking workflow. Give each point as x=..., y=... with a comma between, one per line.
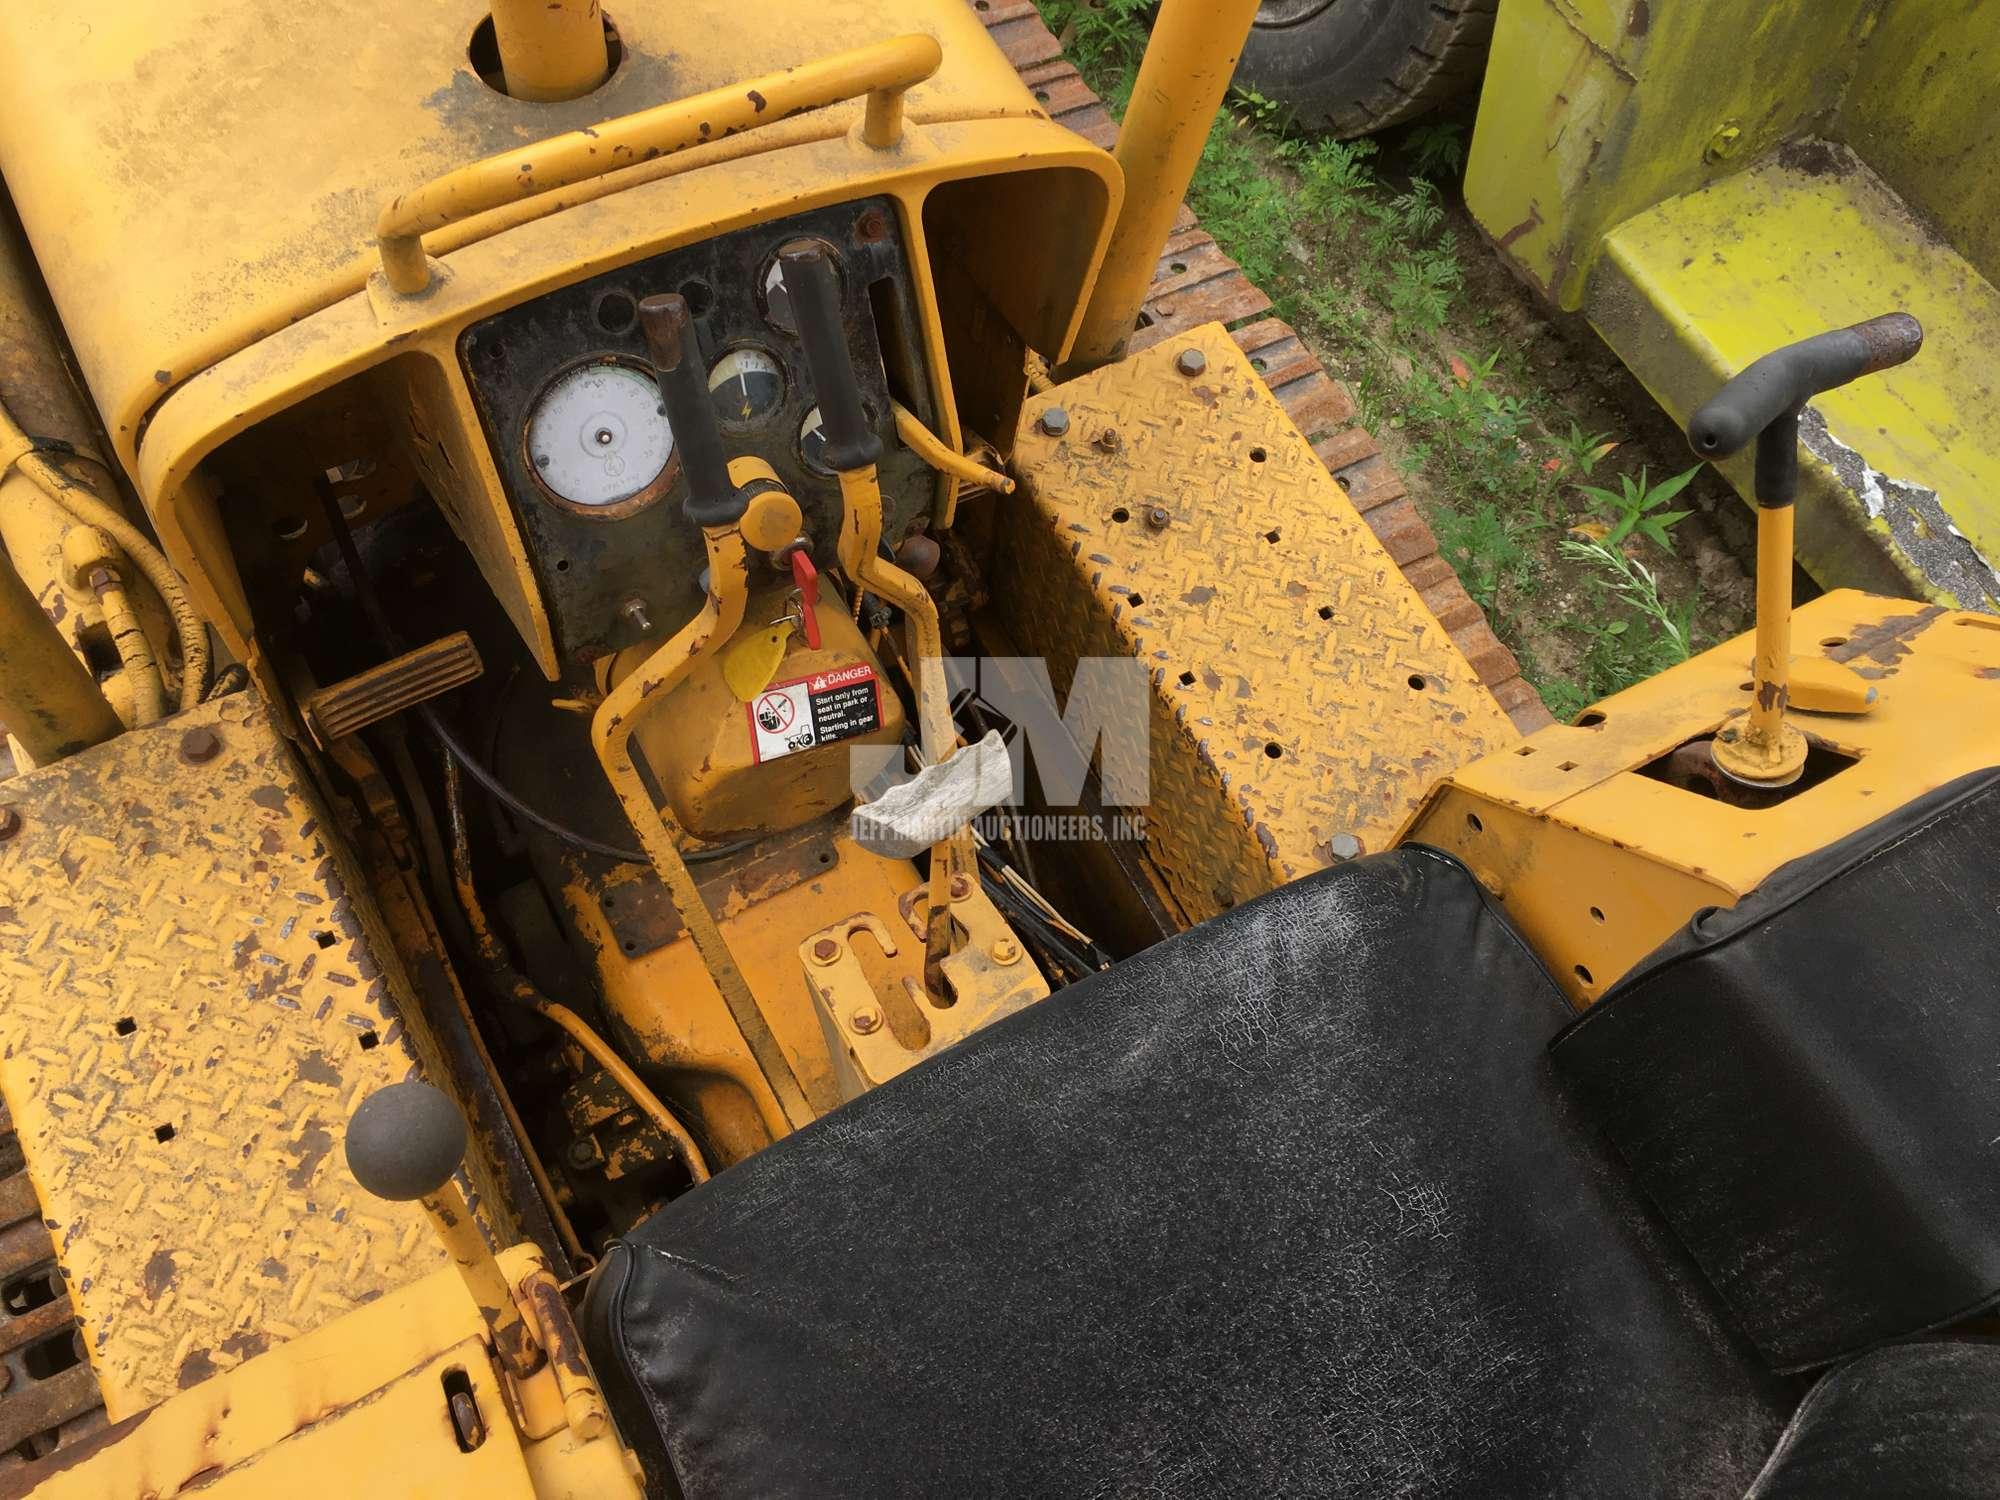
x=777, y=304
x=812, y=443
x=746, y=386
x=599, y=435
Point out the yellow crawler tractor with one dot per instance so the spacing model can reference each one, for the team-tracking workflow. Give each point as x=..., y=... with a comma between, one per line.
x=701, y=808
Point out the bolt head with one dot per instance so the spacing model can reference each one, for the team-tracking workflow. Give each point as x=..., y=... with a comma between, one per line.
x=1157, y=517
x=1191, y=362
x=866, y=1020
x=1054, y=422
x=825, y=951
x=961, y=888
x=583, y=1151
x=10, y=821
x=1344, y=846
x=201, y=745
x=1006, y=951
x=1109, y=440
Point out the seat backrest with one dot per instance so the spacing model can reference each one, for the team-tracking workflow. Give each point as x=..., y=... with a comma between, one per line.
x=1808, y=1084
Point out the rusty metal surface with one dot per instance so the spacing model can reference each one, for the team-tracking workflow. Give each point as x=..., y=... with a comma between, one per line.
x=351, y=705
x=1303, y=697
x=1197, y=283
x=642, y=916
x=188, y=1013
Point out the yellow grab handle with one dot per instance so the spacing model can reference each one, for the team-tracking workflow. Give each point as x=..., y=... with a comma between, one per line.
x=882, y=70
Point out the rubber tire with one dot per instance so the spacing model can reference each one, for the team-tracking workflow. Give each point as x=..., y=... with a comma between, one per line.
x=1353, y=67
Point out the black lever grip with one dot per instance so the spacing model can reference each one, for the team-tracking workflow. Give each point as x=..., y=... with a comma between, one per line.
x=813, y=288
x=1785, y=380
x=1764, y=401
x=683, y=380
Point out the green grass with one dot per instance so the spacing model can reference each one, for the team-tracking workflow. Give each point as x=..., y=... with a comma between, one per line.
x=1351, y=242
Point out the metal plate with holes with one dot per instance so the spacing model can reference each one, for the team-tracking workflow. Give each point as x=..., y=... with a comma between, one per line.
x=188, y=1014
x=590, y=566
x=643, y=918
x=1303, y=698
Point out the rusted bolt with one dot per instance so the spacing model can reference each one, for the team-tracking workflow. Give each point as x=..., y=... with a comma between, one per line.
x=1191, y=362
x=1157, y=517
x=198, y=746
x=1054, y=422
x=825, y=951
x=10, y=821
x=871, y=226
x=1344, y=846
x=1006, y=951
x=961, y=888
x=1109, y=440
x=865, y=1020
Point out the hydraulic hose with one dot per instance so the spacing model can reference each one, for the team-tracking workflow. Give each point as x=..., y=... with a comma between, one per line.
x=18, y=450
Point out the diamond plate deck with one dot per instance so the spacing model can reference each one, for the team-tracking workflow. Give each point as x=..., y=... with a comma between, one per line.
x=188, y=1014
x=1195, y=283
x=1301, y=689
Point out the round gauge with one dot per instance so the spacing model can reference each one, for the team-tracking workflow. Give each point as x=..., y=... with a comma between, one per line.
x=746, y=386
x=599, y=435
x=812, y=443
x=777, y=303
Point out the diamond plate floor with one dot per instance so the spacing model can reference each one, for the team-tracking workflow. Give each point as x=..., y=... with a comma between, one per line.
x=188, y=1014
x=1303, y=699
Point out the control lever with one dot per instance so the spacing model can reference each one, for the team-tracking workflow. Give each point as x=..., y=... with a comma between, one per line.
x=852, y=448
x=1763, y=403
x=404, y=1143
x=713, y=498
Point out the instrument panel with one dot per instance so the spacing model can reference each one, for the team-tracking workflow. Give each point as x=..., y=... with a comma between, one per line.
x=586, y=453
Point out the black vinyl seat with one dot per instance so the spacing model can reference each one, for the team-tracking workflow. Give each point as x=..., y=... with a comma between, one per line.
x=1292, y=1204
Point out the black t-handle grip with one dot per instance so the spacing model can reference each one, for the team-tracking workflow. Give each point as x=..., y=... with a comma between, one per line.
x=683, y=380
x=1764, y=400
x=813, y=288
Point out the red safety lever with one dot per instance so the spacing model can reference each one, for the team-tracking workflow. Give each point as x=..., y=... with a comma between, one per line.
x=806, y=576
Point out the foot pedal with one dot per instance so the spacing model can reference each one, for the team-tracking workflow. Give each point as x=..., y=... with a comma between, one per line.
x=349, y=706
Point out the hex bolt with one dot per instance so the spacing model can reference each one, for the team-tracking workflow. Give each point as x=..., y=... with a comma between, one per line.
x=1108, y=440
x=865, y=1020
x=1157, y=517
x=10, y=821
x=584, y=1152
x=1054, y=422
x=1191, y=362
x=1344, y=846
x=199, y=746
x=825, y=951
x=1006, y=951
x=961, y=888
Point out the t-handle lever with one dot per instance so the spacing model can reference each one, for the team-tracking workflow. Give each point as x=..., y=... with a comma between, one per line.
x=1763, y=402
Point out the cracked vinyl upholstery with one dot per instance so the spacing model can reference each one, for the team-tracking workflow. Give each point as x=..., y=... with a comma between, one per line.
x=1287, y=1205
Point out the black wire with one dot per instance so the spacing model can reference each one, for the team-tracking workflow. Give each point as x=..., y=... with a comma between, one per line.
x=371, y=606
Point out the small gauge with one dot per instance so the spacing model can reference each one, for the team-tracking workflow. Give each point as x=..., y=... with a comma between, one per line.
x=777, y=302
x=746, y=386
x=599, y=435
x=812, y=443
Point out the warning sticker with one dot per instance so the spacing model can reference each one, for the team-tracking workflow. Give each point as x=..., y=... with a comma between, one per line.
x=818, y=710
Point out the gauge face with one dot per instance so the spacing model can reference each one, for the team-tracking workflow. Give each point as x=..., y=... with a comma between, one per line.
x=812, y=443
x=746, y=386
x=777, y=302
x=598, y=435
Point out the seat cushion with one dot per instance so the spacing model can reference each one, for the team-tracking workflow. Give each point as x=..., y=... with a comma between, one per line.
x=1287, y=1205
x=1910, y=1422
x=1808, y=1083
